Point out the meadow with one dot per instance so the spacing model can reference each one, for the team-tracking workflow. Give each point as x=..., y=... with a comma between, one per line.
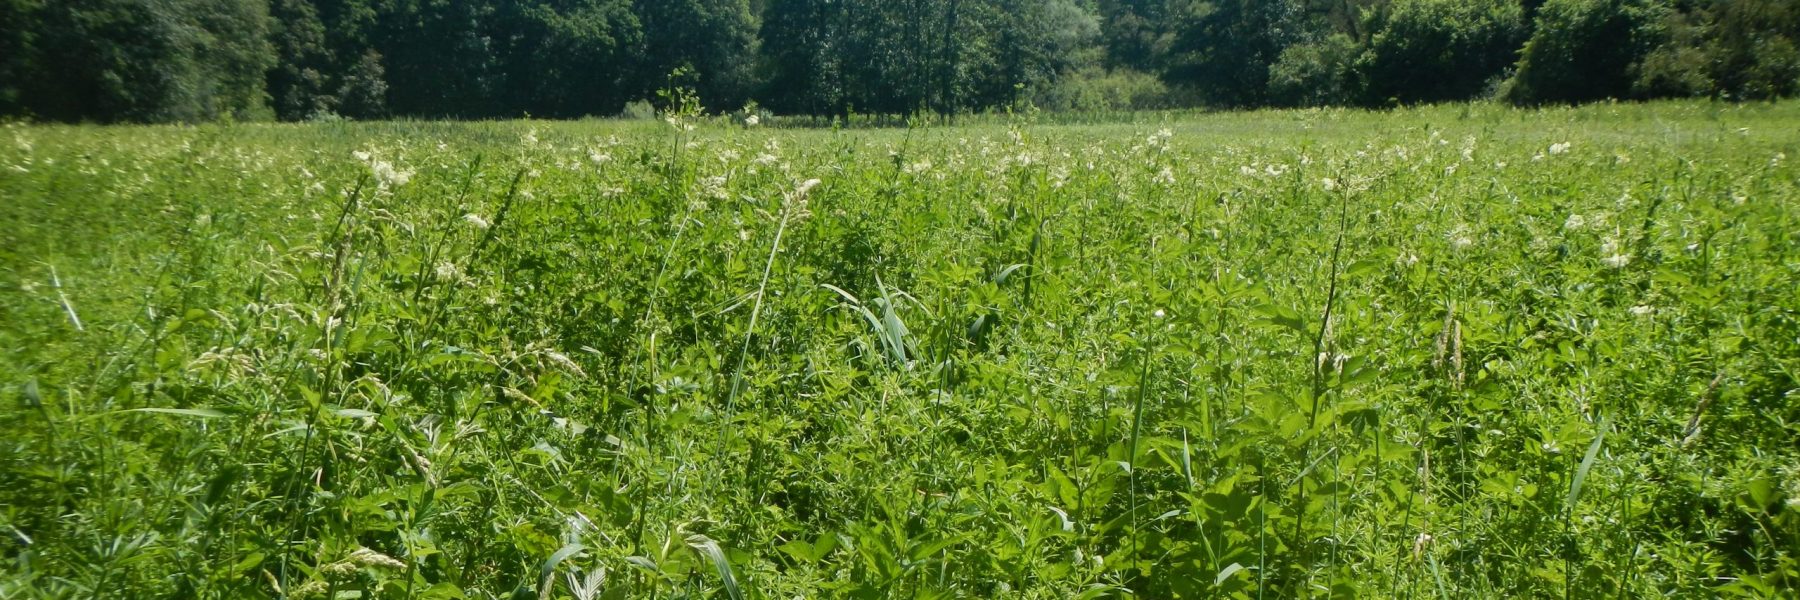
x=1461, y=351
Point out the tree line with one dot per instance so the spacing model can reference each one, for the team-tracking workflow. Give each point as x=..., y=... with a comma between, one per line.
x=193, y=60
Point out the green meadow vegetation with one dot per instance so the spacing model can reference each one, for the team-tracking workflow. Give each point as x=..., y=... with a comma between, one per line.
x=1463, y=351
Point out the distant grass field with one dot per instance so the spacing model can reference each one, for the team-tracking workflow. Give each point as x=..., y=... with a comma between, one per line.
x=1458, y=352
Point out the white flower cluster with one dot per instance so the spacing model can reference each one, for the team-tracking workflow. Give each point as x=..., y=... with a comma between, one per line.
x=386, y=175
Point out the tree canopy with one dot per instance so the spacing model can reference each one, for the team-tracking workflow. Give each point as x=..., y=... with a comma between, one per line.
x=195, y=60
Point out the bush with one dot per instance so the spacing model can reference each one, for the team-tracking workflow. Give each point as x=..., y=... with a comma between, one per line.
x=1321, y=73
x=1586, y=50
x=1101, y=90
x=1441, y=50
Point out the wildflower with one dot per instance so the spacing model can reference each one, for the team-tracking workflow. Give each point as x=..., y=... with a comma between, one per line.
x=309, y=589
x=1559, y=148
x=339, y=570
x=387, y=176
x=371, y=558
x=714, y=187
x=1158, y=314
x=1166, y=176
x=448, y=271
x=599, y=158
x=752, y=121
x=1614, y=256
x=476, y=220
x=1575, y=222
x=806, y=187
x=795, y=204
x=1642, y=311
x=361, y=155
x=1330, y=184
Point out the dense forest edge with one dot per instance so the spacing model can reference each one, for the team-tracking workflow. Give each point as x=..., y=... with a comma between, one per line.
x=307, y=60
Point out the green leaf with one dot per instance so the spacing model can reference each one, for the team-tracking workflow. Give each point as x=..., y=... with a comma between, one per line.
x=709, y=549
x=1587, y=463
x=200, y=413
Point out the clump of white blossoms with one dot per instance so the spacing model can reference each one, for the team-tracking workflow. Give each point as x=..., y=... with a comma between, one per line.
x=752, y=121
x=476, y=221
x=386, y=175
x=1559, y=148
x=1459, y=238
x=1612, y=255
x=1166, y=176
x=794, y=204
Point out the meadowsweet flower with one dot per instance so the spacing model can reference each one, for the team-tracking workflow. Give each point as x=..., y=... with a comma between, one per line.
x=476, y=220
x=1575, y=222
x=714, y=187
x=371, y=558
x=1642, y=311
x=806, y=187
x=752, y=120
x=599, y=158
x=448, y=271
x=1559, y=148
x=1166, y=176
x=1613, y=255
x=309, y=589
x=387, y=176
x=1330, y=185
x=794, y=203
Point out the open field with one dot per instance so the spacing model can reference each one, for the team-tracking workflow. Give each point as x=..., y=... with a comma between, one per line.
x=1461, y=351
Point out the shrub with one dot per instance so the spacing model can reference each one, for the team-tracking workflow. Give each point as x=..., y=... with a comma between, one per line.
x=1441, y=50
x=1585, y=50
x=1318, y=73
x=1101, y=90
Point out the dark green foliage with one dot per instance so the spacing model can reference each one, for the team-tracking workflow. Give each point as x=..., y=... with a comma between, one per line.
x=1441, y=50
x=715, y=40
x=1585, y=50
x=1223, y=49
x=1320, y=73
x=140, y=60
x=196, y=60
x=1732, y=48
x=570, y=59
